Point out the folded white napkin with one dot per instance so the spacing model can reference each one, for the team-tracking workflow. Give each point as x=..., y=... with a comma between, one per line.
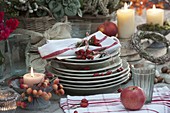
x=67, y=47
x=110, y=103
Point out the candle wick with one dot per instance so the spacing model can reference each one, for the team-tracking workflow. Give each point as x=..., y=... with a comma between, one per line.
x=32, y=73
x=154, y=7
x=125, y=6
x=130, y=3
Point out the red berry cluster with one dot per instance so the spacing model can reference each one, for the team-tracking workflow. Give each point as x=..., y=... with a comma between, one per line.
x=58, y=88
x=84, y=103
x=119, y=90
x=120, y=69
x=87, y=54
x=84, y=54
x=102, y=74
x=21, y=104
x=94, y=41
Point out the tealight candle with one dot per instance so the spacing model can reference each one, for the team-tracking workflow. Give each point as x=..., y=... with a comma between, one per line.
x=126, y=22
x=155, y=16
x=33, y=78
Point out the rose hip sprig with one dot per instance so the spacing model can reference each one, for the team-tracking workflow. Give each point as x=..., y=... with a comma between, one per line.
x=84, y=54
x=92, y=41
x=83, y=103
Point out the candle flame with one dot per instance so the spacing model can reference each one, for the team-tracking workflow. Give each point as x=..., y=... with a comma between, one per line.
x=130, y=3
x=154, y=7
x=32, y=73
x=125, y=6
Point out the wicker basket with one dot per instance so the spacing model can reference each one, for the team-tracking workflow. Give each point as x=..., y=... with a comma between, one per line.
x=41, y=24
x=37, y=24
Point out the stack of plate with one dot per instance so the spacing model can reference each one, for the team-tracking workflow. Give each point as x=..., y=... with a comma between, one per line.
x=90, y=76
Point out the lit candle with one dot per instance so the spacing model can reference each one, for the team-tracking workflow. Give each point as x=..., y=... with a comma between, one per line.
x=126, y=22
x=155, y=16
x=33, y=78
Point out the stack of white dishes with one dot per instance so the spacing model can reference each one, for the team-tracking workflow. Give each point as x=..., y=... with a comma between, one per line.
x=90, y=76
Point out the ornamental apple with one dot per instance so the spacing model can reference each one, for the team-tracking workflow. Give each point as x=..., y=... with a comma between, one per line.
x=108, y=28
x=132, y=97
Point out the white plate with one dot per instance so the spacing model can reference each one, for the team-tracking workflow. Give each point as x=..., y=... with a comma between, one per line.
x=114, y=53
x=82, y=66
x=117, y=62
x=68, y=75
x=95, y=85
x=65, y=75
x=92, y=82
x=94, y=89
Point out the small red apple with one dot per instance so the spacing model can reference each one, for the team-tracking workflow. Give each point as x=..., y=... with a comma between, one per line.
x=132, y=97
x=108, y=28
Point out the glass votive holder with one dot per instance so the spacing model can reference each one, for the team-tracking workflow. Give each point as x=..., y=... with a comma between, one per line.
x=80, y=28
x=19, y=45
x=143, y=76
x=8, y=101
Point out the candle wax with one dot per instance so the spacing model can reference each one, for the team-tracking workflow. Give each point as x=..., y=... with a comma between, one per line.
x=31, y=80
x=126, y=22
x=155, y=16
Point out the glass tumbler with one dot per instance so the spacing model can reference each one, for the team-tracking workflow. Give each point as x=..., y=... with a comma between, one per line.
x=19, y=45
x=143, y=76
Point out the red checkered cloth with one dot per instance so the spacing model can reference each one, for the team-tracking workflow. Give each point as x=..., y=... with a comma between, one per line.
x=110, y=103
x=67, y=47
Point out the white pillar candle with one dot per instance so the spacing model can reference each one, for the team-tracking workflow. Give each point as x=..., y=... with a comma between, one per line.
x=33, y=78
x=155, y=16
x=126, y=22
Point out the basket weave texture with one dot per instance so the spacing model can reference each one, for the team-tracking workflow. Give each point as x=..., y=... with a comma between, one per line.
x=37, y=24
x=41, y=24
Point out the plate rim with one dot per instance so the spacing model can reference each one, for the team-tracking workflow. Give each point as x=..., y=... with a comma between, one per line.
x=91, y=77
x=83, y=63
x=119, y=61
x=97, y=85
x=80, y=75
x=99, y=88
x=98, y=81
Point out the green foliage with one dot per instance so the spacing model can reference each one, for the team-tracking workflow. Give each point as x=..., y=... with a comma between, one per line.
x=115, y=5
x=58, y=8
x=165, y=29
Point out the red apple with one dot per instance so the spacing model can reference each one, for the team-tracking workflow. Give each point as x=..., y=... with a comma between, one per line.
x=108, y=28
x=132, y=97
